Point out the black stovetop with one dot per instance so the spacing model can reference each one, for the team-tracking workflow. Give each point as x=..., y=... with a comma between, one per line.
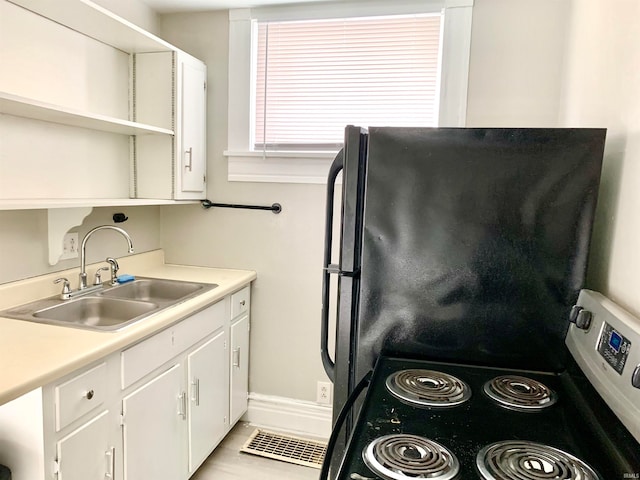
x=574, y=424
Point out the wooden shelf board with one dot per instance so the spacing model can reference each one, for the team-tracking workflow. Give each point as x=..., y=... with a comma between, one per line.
x=29, y=108
x=46, y=203
x=96, y=22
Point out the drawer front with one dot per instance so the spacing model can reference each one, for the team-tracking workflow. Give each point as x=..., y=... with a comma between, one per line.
x=80, y=395
x=240, y=302
x=146, y=356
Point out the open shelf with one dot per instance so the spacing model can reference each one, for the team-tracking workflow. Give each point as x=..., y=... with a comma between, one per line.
x=29, y=108
x=45, y=203
x=96, y=22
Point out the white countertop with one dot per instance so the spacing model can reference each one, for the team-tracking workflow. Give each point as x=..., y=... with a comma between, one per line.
x=33, y=354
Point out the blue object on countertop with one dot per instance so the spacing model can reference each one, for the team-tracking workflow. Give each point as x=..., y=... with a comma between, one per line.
x=124, y=278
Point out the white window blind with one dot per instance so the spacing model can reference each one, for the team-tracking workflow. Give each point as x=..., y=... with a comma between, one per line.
x=315, y=77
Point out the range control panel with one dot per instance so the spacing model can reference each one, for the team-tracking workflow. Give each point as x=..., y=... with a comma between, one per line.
x=607, y=350
x=614, y=347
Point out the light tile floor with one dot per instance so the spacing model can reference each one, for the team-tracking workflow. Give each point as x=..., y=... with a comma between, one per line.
x=228, y=463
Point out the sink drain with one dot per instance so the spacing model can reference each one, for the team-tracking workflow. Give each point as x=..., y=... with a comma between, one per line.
x=286, y=448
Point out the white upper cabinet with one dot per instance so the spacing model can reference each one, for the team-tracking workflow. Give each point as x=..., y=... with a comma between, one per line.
x=192, y=127
x=170, y=91
x=68, y=110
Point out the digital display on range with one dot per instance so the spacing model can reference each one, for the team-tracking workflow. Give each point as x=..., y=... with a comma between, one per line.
x=615, y=341
x=614, y=348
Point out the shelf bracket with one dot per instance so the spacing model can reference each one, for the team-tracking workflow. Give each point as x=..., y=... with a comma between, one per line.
x=59, y=222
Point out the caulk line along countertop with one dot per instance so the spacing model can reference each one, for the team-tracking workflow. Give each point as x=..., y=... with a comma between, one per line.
x=33, y=354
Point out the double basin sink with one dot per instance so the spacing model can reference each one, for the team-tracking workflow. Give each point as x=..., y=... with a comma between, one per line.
x=111, y=308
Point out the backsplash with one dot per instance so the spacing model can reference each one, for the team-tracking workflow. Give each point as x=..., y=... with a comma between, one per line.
x=23, y=236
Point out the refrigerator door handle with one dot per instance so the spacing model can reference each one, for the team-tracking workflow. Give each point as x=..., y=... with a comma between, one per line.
x=328, y=267
x=334, y=269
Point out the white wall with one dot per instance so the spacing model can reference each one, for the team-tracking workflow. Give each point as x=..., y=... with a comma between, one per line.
x=602, y=89
x=286, y=249
x=517, y=62
x=135, y=11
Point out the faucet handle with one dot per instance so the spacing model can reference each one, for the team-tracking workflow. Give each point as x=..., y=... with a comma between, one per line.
x=113, y=264
x=98, y=279
x=66, y=288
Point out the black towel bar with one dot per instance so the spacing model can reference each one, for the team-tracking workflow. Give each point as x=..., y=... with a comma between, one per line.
x=275, y=208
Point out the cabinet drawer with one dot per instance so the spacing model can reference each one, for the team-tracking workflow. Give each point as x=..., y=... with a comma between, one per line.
x=240, y=302
x=150, y=354
x=80, y=395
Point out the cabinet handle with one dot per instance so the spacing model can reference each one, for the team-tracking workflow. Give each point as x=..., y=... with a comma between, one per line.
x=243, y=303
x=182, y=405
x=195, y=391
x=236, y=357
x=89, y=394
x=111, y=463
x=190, y=153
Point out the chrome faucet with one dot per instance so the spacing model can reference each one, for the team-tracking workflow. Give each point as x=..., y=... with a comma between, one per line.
x=83, y=274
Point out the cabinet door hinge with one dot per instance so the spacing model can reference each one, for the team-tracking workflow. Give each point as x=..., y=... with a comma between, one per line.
x=225, y=344
x=56, y=468
x=122, y=419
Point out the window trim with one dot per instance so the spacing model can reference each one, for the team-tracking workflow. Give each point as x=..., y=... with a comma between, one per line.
x=246, y=165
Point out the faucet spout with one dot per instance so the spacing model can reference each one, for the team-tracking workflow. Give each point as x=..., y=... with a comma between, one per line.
x=83, y=266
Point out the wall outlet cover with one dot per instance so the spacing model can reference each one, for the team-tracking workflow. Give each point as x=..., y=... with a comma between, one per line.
x=69, y=246
x=324, y=393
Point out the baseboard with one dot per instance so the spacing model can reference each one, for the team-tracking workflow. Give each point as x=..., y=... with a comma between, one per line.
x=289, y=415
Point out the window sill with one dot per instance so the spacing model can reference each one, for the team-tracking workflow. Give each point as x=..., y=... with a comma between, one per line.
x=279, y=167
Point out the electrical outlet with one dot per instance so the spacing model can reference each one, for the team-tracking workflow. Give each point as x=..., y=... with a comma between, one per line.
x=324, y=393
x=69, y=246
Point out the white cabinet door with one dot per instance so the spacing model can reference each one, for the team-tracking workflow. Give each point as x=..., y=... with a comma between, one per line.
x=85, y=454
x=239, y=368
x=191, y=141
x=154, y=429
x=208, y=400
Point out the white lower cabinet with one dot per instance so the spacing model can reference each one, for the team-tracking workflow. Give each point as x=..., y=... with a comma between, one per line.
x=86, y=453
x=155, y=410
x=239, y=368
x=208, y=402
x=153, y=417
x=80, y=422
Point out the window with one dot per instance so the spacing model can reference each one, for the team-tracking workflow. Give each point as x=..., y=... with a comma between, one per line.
x=314, y=77
x=298, y=75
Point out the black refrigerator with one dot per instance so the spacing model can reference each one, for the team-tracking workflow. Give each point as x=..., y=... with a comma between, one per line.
x=460, y=245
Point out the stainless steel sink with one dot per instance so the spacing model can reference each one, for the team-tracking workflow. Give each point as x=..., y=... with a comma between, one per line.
x=97, y=312
x=155, y=290
x=112, y=308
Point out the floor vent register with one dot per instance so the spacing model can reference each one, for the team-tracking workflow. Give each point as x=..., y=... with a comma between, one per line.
x=286, y=448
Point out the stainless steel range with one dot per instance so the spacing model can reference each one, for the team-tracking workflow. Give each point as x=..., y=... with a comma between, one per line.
x=435, y=420
x=463, y=252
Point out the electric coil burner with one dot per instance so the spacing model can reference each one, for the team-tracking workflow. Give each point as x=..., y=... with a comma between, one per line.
x=401, y=456
x=428, y=388
x=516, y=460
x=520, y=393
